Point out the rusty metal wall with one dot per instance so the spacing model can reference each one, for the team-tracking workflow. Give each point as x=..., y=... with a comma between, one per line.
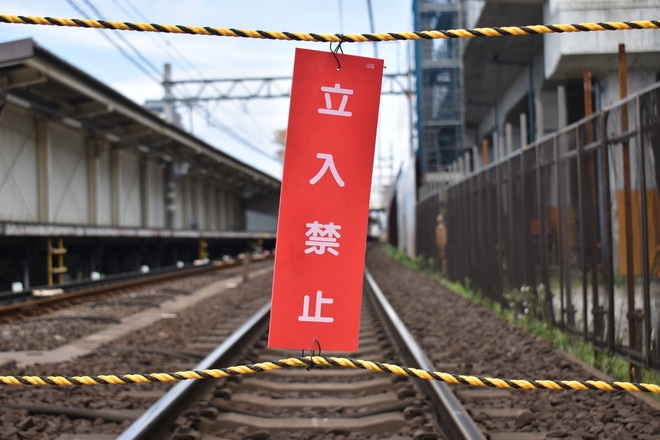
x=576, y=218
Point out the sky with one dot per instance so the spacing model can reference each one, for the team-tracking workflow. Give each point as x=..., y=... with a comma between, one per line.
x=253, y=123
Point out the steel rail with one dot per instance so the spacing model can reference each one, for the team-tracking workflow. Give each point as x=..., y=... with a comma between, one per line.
x=158, y=421
x=24, y=301
x=452, y=418
x=13, y=302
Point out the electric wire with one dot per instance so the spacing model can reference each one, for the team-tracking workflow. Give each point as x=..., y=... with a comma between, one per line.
x=107, y=36
x=183, y=62
x=213, y=122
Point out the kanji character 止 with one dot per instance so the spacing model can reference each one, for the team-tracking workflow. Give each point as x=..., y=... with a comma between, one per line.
x=317, y=310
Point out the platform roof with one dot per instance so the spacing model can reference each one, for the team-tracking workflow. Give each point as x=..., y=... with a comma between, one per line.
x=34, y=78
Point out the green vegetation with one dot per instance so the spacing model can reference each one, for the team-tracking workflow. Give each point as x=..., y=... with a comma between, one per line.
x=524, y=309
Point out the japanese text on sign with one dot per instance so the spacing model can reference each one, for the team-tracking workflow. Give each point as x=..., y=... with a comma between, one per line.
x=321, y=237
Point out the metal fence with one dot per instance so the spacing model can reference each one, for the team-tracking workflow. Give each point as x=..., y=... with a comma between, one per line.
x=573, y=222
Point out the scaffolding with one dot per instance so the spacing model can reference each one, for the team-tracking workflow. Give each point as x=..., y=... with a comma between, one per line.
x=439, y=82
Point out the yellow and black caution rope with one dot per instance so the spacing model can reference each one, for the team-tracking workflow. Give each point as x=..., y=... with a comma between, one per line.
x=332, y=362
x=323, y=361
x=349, y=38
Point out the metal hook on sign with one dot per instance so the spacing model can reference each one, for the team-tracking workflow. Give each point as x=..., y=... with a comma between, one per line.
x=335, y=51
x=311, y=358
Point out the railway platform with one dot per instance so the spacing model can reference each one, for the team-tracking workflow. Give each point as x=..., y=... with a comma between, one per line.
x=94, y=183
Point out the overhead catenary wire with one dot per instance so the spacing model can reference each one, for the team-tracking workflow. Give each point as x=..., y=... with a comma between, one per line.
x=149, y=69
x=316, y=37
x=121, y=49
x=138, y=53
x=188, y=66
x=169, y=48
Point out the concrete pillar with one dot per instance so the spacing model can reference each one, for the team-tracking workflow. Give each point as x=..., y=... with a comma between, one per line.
x=497, y=154
x=43, y=166
x=509, y=138
x=562, y=111
x=222, y=208
x=540, y=129
x=468, y=166
x=186, y=202
x=115, y=179
x=484, y=149
x=210, y=208
x=476, y=158
x=170, y=196
x=94, y=148
x=144, y=192
x=523, y=130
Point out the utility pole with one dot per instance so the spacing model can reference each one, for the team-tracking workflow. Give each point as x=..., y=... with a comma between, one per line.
x=371, y=26
x=168, y=104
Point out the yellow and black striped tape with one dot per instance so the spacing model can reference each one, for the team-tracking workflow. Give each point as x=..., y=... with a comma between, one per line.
x=349, y=38
x=332, y=362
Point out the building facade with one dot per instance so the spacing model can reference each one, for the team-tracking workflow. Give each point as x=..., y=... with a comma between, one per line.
x=482, y=98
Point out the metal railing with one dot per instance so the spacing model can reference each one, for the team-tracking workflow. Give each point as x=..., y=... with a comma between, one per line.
x=572, y=220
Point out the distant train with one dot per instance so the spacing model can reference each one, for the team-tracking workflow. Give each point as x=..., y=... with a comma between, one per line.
x=375, y=228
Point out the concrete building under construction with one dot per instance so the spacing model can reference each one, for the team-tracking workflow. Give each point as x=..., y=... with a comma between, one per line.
x=482, y=98
x=542, y=153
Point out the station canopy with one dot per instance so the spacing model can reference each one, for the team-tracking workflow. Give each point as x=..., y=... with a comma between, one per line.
x=33, y=78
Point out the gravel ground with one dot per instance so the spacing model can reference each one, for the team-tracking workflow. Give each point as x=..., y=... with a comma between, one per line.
x=63, y=326
x=452, y=329
x=449, y=328
x=122, y=357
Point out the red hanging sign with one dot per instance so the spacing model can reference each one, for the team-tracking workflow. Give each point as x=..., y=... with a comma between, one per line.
x=324, y=205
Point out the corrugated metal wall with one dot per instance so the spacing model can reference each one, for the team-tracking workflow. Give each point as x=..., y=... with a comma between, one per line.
x=19, y=197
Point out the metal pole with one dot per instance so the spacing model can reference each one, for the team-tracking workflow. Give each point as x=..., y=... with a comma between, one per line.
x=514, y=266
x=499, y=243
x=49, y=261
x=560, y=232
x=525, y=235
x=627, y=201
x=60, y=260
x=371, y=26
x=169, y=97
x=531, y=108
x=607, y=251
x=583, y=232
x=646, y=292
x=593, y=205
x=543, y=236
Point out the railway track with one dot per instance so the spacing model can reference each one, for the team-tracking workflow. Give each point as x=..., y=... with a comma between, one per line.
x=15, y=305
x=320, y=401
